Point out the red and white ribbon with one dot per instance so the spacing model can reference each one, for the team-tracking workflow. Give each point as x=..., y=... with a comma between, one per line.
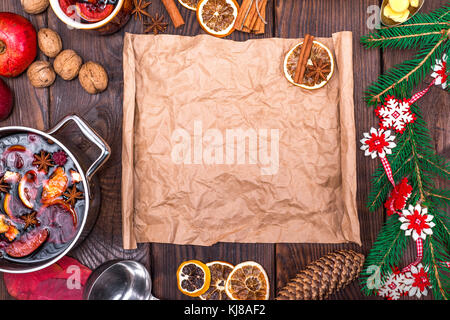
x=420, y=94
x=387, y=168
x=419, y=249
x=419, y=253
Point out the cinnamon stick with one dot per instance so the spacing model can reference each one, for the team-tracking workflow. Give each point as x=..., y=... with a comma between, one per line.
x=243, y=14
x=255, y=17
x=305, y=52
x=174, y=13
x=259, y=27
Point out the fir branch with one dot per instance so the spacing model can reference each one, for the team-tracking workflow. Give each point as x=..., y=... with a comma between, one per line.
x=385, y=254
x=407, y=74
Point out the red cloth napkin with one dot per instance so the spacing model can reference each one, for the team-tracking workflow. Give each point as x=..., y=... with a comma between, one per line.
x=63, y=280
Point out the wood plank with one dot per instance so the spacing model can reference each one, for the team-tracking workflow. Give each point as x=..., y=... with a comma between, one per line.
x=321, y=18
x=165, y=258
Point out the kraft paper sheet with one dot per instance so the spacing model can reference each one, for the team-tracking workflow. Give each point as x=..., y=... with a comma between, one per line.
x=183, y=95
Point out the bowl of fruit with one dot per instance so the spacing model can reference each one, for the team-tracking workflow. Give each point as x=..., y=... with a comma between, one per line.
x=46, y=194
x=106, y=16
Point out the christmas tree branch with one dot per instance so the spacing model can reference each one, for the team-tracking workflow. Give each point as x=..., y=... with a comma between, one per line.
x=382, y=38
x=436, y=273
x=377, y=97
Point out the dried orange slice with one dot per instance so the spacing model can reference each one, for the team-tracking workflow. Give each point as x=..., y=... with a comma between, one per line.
x=321, y=60
x=189, y=4
x=193, y=278
x=248, y=281
x=219, y=274
x=217, y=17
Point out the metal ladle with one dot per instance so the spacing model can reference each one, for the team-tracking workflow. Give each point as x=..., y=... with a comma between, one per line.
x=119, y=280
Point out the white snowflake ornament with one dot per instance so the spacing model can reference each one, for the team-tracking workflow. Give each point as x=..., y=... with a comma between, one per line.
x=416, y=222
x=416, y=281
x=377, y=143
x=440, y=72
x=395, y=114
x=394, y=286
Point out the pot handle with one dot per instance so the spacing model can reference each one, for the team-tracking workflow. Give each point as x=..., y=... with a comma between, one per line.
x=93, y=136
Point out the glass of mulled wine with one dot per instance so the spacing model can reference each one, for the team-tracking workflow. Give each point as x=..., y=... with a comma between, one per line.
x=105, y=16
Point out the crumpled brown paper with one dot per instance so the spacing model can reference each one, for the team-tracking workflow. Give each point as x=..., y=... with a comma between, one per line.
x=182, y=183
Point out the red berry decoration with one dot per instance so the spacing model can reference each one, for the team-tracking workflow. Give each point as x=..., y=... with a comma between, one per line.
x=59, y=158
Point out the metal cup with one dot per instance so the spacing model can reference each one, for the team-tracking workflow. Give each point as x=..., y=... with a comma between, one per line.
x=119, y=280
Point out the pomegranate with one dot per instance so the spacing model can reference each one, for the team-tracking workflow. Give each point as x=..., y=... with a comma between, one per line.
x=18, y=44
x=6, y=100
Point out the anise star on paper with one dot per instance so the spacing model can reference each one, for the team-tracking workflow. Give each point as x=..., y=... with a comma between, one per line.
x=4, y=186
x=157, y=25
x=72, y=195
x=318, y=71
x=139, y=9
x=43, y=161
x=30, y=219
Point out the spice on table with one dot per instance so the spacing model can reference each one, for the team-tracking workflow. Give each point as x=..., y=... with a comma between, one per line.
x=251, y=16
x=139, y=9
x=305, y=52
x=173, y=12
x=156, y=25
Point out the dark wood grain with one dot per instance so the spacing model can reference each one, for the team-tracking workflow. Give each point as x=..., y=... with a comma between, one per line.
x=43, y=108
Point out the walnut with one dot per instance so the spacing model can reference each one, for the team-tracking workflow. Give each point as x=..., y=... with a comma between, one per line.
x=49, y=42
x=41, y=74
x=34, y=6
x=67, y=64
x=93, y=77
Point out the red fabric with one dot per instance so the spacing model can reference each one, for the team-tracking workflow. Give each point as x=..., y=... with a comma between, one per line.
x=63, y=280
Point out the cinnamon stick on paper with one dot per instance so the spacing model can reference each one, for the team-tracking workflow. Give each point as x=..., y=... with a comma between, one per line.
x=305, y=52
x=174, y=13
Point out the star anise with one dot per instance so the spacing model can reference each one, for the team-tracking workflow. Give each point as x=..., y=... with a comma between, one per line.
x=4, y=186
x=30, y=219
x=43, y=161
x=139, y=9
x=318, y=71
x=157, y=25
x=72, y=195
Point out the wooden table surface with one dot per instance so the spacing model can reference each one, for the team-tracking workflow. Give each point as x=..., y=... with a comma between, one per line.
x=43, y=108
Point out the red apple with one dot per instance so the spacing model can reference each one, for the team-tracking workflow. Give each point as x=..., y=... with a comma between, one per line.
x=18, y=44
x=6, y=100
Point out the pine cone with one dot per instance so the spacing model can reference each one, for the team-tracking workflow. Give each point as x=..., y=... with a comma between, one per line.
x=324, y=276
